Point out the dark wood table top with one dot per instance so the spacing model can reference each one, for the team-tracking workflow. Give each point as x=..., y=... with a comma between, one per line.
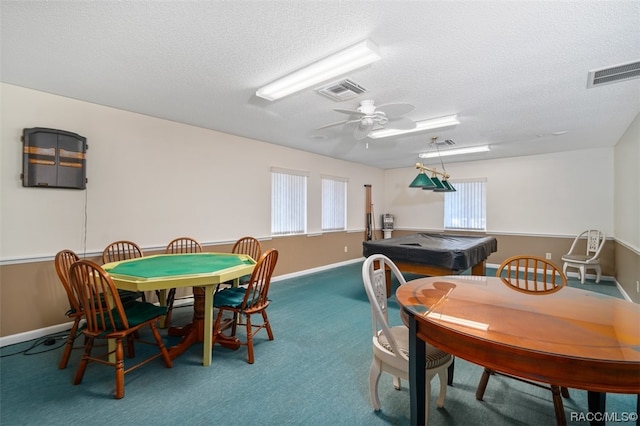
x=573, y=337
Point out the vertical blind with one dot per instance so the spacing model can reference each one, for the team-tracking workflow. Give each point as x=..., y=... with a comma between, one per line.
x=466, y=208
x=288, y=202
x=334, y=203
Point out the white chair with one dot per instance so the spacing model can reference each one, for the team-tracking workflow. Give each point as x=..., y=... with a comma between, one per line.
x=391, y=344
x=589, y=260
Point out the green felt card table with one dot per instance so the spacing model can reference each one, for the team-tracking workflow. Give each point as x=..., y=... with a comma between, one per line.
x=202, y=271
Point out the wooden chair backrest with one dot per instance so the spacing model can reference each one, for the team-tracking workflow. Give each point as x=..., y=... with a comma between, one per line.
x=249, y=246
x=256, y=296
x=98, y=297
x=63, y=261
x=121, y=250
x=531, y=274
x=183, y=245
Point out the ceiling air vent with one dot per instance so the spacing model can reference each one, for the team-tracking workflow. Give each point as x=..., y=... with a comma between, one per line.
x=342, y=90
x=614, y=74
x=446, y=142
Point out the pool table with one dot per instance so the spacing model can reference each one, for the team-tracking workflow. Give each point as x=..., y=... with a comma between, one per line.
x=434, y=254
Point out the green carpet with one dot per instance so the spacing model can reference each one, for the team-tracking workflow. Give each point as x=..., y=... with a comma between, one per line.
x=315, y=372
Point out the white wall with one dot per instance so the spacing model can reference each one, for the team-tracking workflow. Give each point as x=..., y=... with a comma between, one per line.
x=627, y=190
x=553, y=194
x=150, y=181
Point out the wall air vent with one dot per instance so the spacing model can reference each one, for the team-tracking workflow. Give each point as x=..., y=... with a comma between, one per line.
x=342, y=90
x=614, y=74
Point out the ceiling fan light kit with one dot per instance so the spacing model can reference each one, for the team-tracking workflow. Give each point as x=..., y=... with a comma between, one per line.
x=369, y=116
x=349, y=59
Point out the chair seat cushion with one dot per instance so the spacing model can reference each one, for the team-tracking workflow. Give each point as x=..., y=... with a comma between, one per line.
x=580, y=258
x=231, y=297
x=139, y=312
x=434, y=357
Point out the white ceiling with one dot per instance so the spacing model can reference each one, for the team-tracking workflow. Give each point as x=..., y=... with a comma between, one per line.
x=515, y=72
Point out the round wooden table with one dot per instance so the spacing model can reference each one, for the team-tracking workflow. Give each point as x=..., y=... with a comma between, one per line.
x=573, y=337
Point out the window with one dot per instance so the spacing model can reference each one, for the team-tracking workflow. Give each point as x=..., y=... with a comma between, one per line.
x=288, y=202
x=334, y=203
x=466, y=208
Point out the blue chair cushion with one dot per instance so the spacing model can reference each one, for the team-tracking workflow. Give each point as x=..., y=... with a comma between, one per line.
x=231, y=297
x=137, y=313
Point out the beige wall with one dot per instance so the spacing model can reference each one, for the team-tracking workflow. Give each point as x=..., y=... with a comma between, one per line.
x=627, y=209
x=151, y=180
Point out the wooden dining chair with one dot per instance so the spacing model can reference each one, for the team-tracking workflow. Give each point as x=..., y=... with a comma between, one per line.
x=63, y=261
x=121, y=250
x=243, y=302
x=178, y=246
x=108, y=318
x=537, y=276
x=124, y=250
x=249, y=246
x=391, y=344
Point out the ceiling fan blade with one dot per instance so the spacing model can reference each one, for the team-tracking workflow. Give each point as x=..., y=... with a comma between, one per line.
x=401, y=123
x=337, y=123
x=394, y=110
x=362, y=131
x=347, y=111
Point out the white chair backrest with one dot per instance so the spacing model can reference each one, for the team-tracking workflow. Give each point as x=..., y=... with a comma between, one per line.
x=373, y=277
x=595, y=242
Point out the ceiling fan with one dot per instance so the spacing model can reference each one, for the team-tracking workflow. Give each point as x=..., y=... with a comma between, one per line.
x=370, y=117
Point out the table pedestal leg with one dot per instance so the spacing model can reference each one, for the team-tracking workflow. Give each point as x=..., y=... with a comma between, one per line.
x=417, y=374
x=191, y=333
x=597, y=402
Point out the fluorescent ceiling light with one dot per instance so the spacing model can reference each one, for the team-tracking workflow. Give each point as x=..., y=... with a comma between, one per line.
x=435, y=123
x=457, y=151
x=346, y=60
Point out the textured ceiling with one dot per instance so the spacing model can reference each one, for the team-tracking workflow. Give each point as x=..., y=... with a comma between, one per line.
x=515, y=72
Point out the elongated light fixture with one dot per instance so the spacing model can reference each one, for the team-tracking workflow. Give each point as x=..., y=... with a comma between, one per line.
x=434, y=183
x=457, y=151
x=434, y=123
x=349, y=59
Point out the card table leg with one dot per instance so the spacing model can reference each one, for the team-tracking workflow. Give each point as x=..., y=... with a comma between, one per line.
x=208, y=324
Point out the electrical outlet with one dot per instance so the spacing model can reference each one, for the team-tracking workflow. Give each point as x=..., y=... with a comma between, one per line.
x=346, y=249
x=548, y=256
